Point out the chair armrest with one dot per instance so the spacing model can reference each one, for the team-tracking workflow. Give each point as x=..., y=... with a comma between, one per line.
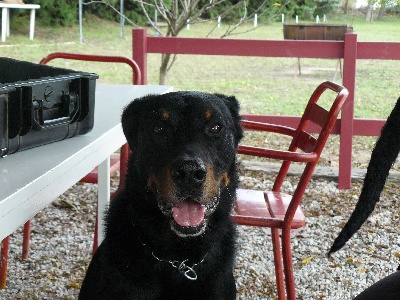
x=278, y=154
x=99, y=58
x=268, y=127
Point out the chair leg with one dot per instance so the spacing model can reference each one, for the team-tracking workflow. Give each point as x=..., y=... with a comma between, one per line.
x=95, y=238
x=288, y=265
x=125, y=151
x=280, y=282
x=95, y=241
x=26, y=239
x=3, y=262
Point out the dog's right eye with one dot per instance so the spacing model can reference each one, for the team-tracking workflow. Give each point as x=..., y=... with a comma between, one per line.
x=215, y=128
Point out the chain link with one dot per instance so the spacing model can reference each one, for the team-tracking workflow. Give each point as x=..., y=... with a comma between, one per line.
x=182, y=267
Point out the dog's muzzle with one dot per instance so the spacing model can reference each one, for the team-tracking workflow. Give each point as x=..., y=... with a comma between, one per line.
x=189, y=211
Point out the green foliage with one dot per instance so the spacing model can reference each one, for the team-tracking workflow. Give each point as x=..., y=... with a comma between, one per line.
x=264, y=10
x=55, y=12
x=326, y=7
x=132, y=11
x=304, y=9
x=270, y=9
x=65, y=13
x=222, y=7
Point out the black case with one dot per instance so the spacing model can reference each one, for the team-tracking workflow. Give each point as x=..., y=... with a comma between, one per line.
x=40, y=104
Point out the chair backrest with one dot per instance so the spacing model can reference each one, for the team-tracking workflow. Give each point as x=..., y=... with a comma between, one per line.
x=136, y=78
x=315, y=117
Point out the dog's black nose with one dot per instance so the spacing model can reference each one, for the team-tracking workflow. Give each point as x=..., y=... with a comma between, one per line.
x=189, y=172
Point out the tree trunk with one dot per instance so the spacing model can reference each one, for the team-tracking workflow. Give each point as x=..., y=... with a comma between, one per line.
x=368, y=15
x=346, y=5
x=381, y=11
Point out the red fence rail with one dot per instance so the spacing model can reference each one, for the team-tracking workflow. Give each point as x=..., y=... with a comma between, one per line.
x=349, y=50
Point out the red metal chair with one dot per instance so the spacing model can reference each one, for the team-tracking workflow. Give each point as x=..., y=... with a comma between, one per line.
x=117, y=161
x=274, y=209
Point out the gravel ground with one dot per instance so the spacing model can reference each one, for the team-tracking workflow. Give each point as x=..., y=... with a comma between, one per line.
x=61, y=244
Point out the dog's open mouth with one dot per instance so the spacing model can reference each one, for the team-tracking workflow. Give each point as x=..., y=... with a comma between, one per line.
x=189, y=218
x=188, y=213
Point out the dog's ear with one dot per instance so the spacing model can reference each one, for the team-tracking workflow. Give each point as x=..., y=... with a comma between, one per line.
x=130, y=120
x=234, y=107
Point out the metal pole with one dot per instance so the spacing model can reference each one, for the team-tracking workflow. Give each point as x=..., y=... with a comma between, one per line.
x=155, y=21
x=80, y=22
x=122, y=17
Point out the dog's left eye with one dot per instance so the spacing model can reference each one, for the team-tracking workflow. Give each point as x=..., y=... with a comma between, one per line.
x=158, y=128
x=215, y=128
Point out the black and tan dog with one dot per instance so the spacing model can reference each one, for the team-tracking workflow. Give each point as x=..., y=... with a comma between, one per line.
x=383, y=156
x=169, y=233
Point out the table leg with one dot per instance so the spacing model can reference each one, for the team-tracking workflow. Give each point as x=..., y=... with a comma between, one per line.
x=32, y=24
x=3, y=262
x=4, y=16
x=103, y=196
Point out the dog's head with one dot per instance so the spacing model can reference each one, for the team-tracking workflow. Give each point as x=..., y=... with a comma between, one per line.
x=184, y=146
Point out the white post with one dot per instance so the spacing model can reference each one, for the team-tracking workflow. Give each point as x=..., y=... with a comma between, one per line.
x=103, y=196
x=283, y=18
x=188, y=24
x=255, y=20
x=219, y=21
x=32, y=24
x=324, y=18
x=4, y=13
x=297, y=19
x=317, y=19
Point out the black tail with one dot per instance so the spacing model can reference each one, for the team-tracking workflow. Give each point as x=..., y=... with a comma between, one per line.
x=382, y=158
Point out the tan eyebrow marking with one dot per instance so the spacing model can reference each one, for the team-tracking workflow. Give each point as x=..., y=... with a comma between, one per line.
x=164, y=115
x=208, y=114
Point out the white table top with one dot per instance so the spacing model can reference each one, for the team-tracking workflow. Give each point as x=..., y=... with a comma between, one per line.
x=31, y=179
x=23, y=6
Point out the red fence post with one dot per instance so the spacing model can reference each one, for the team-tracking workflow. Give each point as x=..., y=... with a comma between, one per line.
x=346, y=128
x=139, y=51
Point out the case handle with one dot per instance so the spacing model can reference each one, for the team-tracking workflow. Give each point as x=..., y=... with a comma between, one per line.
x=39, y=124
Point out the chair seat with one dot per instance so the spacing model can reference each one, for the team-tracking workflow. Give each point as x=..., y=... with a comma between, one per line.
x=114, y=167
x=264, y=209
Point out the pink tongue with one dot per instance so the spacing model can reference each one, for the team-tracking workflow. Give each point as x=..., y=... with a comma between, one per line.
x=188, y=214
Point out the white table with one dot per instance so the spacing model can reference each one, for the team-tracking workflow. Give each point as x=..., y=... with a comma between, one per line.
x=5, y=18
x=31, y=179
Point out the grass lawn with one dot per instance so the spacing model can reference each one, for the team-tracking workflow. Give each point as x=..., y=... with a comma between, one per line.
x=263, y=85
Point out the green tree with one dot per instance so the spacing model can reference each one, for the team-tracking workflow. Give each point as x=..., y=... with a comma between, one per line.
x=326, y=7
x=108, y=10
x=55, y=12
x=304, y=9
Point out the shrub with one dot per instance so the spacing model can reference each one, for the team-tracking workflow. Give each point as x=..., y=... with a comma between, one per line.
x=55, y=12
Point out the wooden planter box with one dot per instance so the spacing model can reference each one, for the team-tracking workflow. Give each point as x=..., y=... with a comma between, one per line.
x=315, y=31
